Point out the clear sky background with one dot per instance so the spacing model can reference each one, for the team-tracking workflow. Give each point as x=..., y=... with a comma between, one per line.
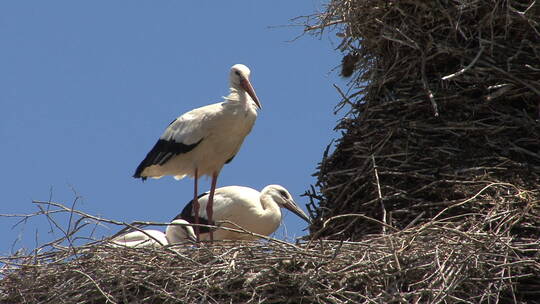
x=87, y=87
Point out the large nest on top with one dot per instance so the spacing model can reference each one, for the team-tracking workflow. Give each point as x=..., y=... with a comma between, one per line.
x=443, y=121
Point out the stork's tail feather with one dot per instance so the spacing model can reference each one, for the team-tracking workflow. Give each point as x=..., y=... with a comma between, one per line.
x=139, y=170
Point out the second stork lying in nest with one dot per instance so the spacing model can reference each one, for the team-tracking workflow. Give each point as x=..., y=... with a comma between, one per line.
x=236, y=207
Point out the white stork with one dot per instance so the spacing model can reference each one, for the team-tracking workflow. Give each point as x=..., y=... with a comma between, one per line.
x=236, y=206
x=155, y=238
x=203, y=140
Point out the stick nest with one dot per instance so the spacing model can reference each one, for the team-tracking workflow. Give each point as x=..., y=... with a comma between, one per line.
x=431, y=263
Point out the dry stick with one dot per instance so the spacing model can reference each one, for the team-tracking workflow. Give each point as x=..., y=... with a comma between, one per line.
x=72, y=207
x=66, y=233
x=501, y=90
x=528, y=8
x=70, y=221
x=416, y=219
x=426, y=87
x=358, y=215
x=470, y=65
x=471, y=198
x=132, y=225
x=411, y=43
x=66, y=209
x=322, y=26
x=49, y=207
x=344, y=100
x=25, y=217
x=380, y=194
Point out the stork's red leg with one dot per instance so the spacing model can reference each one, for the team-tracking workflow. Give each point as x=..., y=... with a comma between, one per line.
x=210, y=205
x=196, y=207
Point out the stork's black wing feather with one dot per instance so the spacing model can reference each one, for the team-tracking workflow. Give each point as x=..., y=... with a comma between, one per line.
x=162, y=151
x=187, y=214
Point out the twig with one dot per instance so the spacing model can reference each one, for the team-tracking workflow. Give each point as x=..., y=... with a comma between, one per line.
x=471, y=198
x=381, y=200
x=426, y=87
x=333, y=218
x=470, y=65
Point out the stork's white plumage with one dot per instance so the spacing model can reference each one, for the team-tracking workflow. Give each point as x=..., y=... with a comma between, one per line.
x=141, y=239
x=155, y=238
x=258, y=212
x=203, y=140
x=234, y=207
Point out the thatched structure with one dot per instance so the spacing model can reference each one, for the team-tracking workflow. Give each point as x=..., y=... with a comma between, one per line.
x=443, y=123
x=444, y=116
x=431, y=195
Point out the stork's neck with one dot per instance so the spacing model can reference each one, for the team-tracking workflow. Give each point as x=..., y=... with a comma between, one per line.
x=241, y=97
x=269, y=206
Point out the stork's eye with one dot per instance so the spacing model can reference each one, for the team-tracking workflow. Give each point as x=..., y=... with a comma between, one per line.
x=237, y=73
x=284, y=194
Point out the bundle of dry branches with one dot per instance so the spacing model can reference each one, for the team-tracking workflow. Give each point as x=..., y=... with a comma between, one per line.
x=444, y=115
x=431, y=263
x=443, y=122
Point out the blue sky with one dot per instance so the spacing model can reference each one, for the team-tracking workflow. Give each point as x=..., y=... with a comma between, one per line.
x=87, y=87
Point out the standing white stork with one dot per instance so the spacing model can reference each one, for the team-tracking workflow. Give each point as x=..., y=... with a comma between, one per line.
x=203, y=140
x=236, y=206
x=155, y=238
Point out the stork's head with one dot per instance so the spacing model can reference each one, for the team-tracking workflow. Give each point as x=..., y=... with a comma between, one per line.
x=284, y=199
x=179, y=231
x=239, y=80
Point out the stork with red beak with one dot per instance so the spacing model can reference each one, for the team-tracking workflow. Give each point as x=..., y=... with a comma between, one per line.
x=240, y=207
x=236, y=207
x=201, y=141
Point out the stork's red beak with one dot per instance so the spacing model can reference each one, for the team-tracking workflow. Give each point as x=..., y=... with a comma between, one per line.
x=292, y=206
x=246, y=85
